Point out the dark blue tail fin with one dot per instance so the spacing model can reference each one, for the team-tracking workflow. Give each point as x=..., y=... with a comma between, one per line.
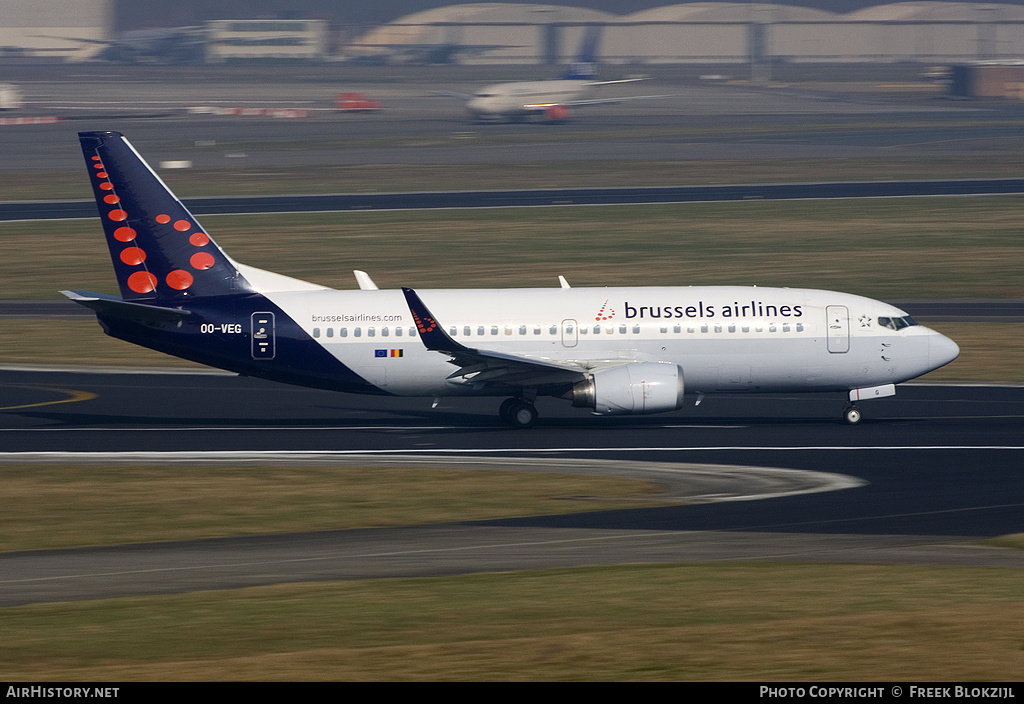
x=583, y=68
x=159, y=250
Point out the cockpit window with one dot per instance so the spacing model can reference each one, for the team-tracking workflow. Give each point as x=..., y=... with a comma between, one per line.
x=896, y=323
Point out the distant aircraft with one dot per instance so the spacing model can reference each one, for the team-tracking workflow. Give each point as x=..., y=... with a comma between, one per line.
x=550, y=100
x=447, y=51
x=10, y=97
x=614, y=350
x=175, y=45
x=422, y=54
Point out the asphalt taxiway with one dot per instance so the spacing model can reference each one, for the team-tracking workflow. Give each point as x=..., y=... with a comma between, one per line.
x=926, y=475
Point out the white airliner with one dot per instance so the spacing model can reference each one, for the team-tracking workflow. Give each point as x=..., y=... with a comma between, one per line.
x=613, y=350
x=548, y=100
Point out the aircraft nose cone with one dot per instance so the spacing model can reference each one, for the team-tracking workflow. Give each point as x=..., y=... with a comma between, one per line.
x=941, y=350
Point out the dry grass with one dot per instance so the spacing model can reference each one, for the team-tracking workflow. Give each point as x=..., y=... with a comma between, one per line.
x=69, y=505
x=760, y=622
x=903, y=248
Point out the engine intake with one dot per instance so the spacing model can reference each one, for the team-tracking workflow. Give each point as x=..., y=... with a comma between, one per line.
x=644, y=387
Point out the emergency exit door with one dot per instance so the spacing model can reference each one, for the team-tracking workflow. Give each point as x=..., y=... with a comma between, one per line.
x=838, y=329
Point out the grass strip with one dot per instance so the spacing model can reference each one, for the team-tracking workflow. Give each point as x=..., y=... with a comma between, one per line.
x=719, y=622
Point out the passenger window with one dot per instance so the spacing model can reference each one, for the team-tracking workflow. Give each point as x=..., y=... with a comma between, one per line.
x=343, y=332
x=398, y=332
x=480, y=330
x=453, y=331
x=358, y=332
x=330, y=332
x=371, y=332
x=467, y=331
x=522, y=329
x=636, y=329
x=383, y=332
x=316, y=332
x=494, y=329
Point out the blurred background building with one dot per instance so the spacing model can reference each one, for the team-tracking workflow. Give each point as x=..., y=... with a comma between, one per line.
x=504, y=32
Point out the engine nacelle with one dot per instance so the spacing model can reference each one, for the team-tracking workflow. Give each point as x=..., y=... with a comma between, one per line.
x=645, y=387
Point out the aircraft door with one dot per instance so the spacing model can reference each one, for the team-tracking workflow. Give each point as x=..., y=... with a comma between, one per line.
x=263, y=336
x=838, y=319
x=570, y=333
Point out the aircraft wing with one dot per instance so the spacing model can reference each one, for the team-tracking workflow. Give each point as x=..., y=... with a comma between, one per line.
x=486, y=367
x=593, y=101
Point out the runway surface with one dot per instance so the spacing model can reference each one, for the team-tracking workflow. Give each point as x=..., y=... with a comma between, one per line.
x=690, y=120
x=927, y=474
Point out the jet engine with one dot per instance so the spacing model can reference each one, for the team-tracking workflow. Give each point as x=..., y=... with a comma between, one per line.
x=557, y=112
x=645, y=387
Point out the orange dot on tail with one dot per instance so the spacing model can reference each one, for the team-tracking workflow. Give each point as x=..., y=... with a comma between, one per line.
x=124, y=234
x=199, y=239
x=117, y=215
x=97, y=166
x=106, y=186
x=111, y=199
x=101, y=174
x=179, y=279
x=132, y=256
x=95, y=158
x=142, y=282
x=182, y=225
x=201, y=261
x=163, y=219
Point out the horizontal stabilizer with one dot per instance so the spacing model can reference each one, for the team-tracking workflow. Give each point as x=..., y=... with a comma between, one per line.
x=114, y=307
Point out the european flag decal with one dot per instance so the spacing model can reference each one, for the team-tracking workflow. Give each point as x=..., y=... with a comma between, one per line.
x=387, y=353
x=380, y=353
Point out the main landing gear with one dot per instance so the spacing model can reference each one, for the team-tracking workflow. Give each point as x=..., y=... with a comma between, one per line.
x=851, y=415
x=517, y=412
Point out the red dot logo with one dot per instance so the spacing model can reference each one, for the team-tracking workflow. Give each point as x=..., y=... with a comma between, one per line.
x=132, y=256
x=117, y=215
x=111, y=199
x=199, y=239
x=142, y=282
x=201, y=261
x=182, y=225
x=163, y=219
x=124, y=234
x=179, y=279
x=106, y=186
